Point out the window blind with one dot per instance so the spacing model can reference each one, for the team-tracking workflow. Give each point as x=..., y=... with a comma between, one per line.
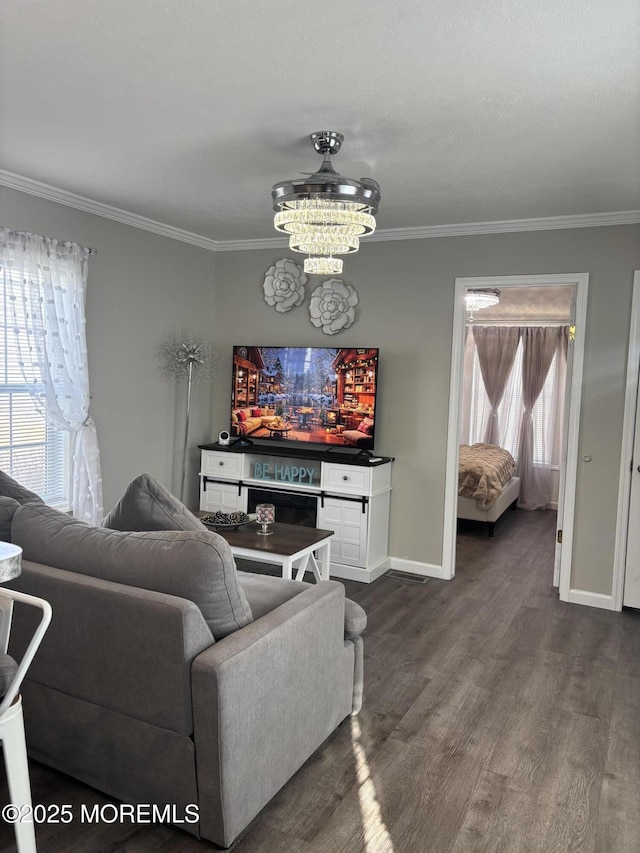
x=32, y=451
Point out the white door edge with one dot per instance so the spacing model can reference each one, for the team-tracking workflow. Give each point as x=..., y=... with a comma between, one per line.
x=562, y=474
x=628, y=433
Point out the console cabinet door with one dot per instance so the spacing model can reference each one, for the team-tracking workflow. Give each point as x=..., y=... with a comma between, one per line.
x=220, y=496
x=346, y=518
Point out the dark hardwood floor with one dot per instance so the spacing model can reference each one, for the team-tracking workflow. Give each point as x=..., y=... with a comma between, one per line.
x=495, y=719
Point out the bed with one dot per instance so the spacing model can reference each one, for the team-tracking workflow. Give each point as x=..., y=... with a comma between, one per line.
x=487, y=483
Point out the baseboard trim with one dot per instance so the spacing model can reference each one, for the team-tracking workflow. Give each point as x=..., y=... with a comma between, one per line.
x=355, y=573
x=413, y=567
x=591, y=599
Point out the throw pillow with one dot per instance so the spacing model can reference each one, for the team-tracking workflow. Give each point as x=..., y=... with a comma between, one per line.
x=11, y=489
x=148, y=505
x=7, y=508
x=191, y=564
x=256, y=413
x=365, y=426
x=242, y=415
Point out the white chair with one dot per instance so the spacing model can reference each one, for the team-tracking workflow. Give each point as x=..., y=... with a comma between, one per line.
x=11, y=720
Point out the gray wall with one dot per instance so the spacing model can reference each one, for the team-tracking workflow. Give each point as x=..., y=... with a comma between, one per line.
x=406, y=309
x=140, y=286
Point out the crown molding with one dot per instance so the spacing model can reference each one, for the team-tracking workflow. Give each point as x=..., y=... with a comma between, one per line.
x=506, y=226
x=46, y=191
x=460, y=229
x=257, y=243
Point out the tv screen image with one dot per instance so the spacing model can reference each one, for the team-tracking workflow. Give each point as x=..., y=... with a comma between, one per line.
x=319, y=395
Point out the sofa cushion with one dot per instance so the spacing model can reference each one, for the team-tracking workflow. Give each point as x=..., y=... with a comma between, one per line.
x=7, y=508
x=191, y=564
x=265, y=592
x=12, y=489
x=356, y=438
x=148, y=505
x=8, y=669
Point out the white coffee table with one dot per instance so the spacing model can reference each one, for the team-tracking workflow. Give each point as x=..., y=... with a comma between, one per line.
x=290, y=545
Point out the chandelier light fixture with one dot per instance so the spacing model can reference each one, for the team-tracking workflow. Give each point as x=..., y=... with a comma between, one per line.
x=324, y=214
x=479, y=298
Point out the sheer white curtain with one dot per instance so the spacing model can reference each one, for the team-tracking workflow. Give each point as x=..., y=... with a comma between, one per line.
x=546, y=413
x=477, y=408
x=47, y=299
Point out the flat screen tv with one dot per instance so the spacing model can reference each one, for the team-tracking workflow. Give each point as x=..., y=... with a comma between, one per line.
x=318, y=395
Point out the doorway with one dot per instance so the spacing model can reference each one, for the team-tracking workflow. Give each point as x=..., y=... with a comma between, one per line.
x=568, y=467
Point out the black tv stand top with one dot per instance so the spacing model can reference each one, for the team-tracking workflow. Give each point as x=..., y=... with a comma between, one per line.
x=332, y=453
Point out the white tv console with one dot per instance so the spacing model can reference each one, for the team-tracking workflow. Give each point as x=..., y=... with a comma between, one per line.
x=343, y=492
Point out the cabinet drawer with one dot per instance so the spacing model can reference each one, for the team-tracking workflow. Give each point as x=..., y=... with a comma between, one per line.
x=225, y=465
x=346, y=479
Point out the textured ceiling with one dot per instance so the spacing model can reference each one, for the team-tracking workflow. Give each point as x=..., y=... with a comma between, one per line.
x=187, y=111
x=530, y=304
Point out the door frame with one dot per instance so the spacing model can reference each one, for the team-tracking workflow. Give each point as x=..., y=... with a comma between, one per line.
x=581, y=282
x=626, y=455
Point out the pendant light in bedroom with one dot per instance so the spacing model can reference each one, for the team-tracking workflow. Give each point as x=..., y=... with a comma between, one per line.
x=479, y=298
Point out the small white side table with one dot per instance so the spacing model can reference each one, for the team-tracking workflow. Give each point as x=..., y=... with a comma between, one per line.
x=11, y=719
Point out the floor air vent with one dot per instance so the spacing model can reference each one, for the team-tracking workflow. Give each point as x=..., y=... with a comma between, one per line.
x=407, y=576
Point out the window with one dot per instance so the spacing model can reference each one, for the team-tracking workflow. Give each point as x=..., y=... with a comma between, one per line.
x=547, y=417
x=31, y=450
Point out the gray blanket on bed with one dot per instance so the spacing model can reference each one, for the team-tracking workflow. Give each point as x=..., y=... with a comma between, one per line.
x=483, y=471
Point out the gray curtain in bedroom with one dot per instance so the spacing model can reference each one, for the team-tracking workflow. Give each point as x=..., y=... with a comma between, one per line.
x=539, y=346
x=496, y=347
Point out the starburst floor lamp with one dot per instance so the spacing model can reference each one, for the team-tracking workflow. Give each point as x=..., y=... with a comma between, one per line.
x=187, y=357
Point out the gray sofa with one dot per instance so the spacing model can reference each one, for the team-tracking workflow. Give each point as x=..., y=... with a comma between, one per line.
x=133, y=693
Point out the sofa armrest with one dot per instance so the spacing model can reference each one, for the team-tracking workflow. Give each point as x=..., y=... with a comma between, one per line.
x=118, y=647
x=264, y=699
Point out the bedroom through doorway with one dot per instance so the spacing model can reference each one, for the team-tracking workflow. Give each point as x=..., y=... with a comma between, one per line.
x=514, y=416
x=514, y=351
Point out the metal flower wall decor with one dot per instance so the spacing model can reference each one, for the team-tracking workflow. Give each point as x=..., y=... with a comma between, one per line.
x=284, y=285
x=332, y=306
